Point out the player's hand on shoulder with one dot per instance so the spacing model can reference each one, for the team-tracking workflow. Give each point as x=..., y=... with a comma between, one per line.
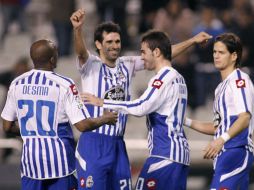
x=91, y=99
x=110, y=117
x=77, y=18
x=202, y=38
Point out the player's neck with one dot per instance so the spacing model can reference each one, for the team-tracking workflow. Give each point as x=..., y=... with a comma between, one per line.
x=226, y=72
x=110, y=64
x=43, y=69
x=162, y=63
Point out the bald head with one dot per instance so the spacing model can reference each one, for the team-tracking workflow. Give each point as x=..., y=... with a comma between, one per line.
x=44, y=54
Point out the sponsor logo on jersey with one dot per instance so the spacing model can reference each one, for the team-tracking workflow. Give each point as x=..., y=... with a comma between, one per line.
x=74, y=89
x=157, y=83
x=82, y=182
x=89, y=181
x=115, y=93
x=240, y=83
x=151, y=184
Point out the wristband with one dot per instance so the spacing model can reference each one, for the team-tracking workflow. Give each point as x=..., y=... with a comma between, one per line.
x=187, y=122
x=225, y=137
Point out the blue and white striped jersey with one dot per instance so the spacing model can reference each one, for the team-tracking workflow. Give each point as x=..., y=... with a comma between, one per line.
x=109, y=83
x=233, y=96
x=164, y=102
x=44, y=103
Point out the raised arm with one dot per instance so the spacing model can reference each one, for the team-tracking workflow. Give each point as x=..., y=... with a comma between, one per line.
x=77, y=20
x=93, y=123
x=179, y=48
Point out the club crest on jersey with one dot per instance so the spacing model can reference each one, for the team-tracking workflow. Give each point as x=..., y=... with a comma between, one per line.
x=157, y=83
x=82, y=182
x=151, y=184
x=115, y=93
x=240, y=83
x=122, y=77
x=89, y=181
x=74, y=89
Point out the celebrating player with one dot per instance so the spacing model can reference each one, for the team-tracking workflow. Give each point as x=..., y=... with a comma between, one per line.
x=164, y=102
x=108, y=76
x=232, y=147
x=44, y=103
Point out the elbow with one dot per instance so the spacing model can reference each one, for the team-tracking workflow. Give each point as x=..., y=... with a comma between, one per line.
x=246, y=117
x=7, y=125
x=7, y=129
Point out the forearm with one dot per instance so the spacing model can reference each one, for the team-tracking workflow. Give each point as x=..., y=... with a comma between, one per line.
x=239, y=125
x=79, y=44
x=181, y=47
x=128, y=107
x=91, y=124
x=200, y=126
x=201, y=37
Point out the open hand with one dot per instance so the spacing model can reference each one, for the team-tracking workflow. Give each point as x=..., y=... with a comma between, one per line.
x=91, y=99
x=213, y=148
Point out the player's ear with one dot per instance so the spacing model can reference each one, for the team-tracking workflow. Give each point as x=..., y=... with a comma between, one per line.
x=157, y=52
x=234, y=56
x=52, y=59
x=98, y=44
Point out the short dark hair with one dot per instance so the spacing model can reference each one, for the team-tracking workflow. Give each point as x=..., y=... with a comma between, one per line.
x=105, y=27
x=160, y=40
x=233, y=44
x=42, y=51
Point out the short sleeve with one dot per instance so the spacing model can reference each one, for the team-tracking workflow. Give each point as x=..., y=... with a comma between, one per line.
x=83, y=68
x=75, y=109
x=9, y=112
x=242, y=92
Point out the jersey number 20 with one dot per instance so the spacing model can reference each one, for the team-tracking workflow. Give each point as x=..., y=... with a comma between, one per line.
x=35, y=113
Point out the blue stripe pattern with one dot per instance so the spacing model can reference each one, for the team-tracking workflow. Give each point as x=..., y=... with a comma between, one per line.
x=36, y=162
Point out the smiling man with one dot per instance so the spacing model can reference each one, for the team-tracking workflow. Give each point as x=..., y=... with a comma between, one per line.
x=101, y=154
x=164, y=104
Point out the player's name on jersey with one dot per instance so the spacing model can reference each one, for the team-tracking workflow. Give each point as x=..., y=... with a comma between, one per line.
x=35, y=90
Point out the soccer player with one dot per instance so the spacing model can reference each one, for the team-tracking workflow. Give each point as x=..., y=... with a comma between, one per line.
x=102, y=158
x=44, y=103
x=232, y=147
x=164, y=102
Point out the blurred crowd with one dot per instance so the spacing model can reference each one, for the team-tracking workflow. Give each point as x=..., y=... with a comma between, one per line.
x=180, y=19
